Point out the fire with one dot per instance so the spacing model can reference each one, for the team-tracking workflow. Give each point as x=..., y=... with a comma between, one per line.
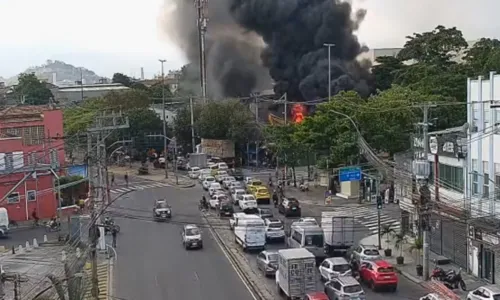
x=298, y=113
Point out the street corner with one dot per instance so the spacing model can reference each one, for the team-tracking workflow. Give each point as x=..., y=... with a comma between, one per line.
x=103, y=278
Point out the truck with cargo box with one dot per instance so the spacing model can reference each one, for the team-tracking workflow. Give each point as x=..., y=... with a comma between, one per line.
x=198, y=160
x=296, y=275
x=338, y=229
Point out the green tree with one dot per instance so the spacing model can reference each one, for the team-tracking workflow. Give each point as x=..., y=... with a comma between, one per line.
x=122, y=78
x=143, y=121
x=156, y=92
x=386, y=71
x=484, y=56
x=30, y=90
x=128, y=99
x=182, y=127
x=78, y=119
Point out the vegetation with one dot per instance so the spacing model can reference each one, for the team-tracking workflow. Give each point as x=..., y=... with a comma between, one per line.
x=30, y=90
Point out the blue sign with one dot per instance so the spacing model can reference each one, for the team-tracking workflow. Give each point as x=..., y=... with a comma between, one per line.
x=350, y=174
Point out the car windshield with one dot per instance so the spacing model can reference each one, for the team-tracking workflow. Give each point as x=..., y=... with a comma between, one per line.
x=210, y=179
x=264, y=190
x=275, y=225
x=352, y=289
x=372, y=252
x=314, y=240
x=265, y=211
x=240, y=193
x=256, y=182
x=341, y=268
x=161, y=205
x=273, y=257
x=249, y=198
x=192, y=231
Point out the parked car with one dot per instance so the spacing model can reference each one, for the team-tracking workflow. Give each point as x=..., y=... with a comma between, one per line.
x=334, y=267
x=378, y=274
x=366, y=252
x=290, y=207
x=344, y=288
x=267, y=262
x=486, y=292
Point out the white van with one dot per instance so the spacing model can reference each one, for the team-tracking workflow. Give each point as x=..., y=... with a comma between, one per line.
x=250, y=232
x=4, y=222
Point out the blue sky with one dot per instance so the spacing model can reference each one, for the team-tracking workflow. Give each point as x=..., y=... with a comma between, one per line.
x=109, y=36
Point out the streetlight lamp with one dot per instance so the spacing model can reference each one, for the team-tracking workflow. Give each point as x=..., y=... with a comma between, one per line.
x=175, y=154
x=329, y=69
x=162, y=61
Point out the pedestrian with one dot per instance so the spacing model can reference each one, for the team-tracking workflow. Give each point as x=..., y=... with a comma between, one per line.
x=112, y=178
x=114, y=232
x=34, y=214
x=126, y=178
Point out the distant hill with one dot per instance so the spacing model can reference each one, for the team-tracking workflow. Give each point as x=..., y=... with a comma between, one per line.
x=66, y=74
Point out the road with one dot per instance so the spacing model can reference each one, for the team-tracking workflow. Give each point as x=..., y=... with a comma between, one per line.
x=406, y=289
x=152, y=264
x=19, y=236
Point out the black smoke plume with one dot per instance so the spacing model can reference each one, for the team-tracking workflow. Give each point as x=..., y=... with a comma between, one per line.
x=248, y=40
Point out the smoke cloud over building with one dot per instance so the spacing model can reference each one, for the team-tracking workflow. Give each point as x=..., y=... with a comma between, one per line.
x=251, y=43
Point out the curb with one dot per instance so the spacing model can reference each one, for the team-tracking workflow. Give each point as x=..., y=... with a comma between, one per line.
x=409, y=276
x=103, y=279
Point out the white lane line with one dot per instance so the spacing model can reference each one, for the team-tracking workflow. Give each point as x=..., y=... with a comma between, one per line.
x=196, y=276
x=156, y=280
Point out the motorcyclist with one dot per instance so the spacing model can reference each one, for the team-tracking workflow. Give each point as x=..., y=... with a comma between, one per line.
x=270, y=180
x=354, y=267
x=53, y=222
x=275, y=198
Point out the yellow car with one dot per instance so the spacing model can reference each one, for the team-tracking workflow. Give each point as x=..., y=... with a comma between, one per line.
x=262, y=195
x=252, y=185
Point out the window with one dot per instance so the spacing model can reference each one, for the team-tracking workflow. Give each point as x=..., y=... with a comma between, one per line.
x=451, y=177
x=31, y=195
x=9, y=161
x=314, y=240
x=33, y=135
x=475, y=185
x=297, y=236
x=486, y=185
x=13, y=198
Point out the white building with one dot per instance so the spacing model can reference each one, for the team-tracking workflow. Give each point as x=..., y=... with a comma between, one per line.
x=483, y=170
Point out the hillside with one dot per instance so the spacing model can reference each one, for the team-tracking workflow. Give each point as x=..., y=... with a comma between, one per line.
x=66, y=74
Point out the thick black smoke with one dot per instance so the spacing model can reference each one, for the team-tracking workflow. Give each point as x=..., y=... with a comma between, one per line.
x=248, y=40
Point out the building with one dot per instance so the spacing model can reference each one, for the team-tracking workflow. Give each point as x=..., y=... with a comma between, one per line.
x=31, y=151
x=77, y=93
x=483, y=176
x=373, y=54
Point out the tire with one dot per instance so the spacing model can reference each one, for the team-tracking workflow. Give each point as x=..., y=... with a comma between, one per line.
x=372, y=286
x=462, y=285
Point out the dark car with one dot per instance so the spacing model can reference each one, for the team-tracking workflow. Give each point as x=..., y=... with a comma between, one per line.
x=162, y=210
x=265, y=213
x=226, y=209
x=237, y=174
x=290, y=207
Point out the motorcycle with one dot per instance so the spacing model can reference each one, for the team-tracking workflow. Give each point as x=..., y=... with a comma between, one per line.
x=52, y=226
x=109, y=225
x=304, y=187
x=451, y=279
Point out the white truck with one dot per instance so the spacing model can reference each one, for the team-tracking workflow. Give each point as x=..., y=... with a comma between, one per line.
x=338, y=228
x=296, y=274
x=198, y=160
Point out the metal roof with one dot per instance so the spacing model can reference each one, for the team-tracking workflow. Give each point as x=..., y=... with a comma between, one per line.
x=448, y=130
x=93, y=88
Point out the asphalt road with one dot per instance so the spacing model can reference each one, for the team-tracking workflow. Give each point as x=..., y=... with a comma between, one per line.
x=152, y=263
x=19, y=236
x=406, y=289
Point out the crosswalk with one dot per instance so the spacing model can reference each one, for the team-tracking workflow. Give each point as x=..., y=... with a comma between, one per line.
x=367, y=216
x=137, y=187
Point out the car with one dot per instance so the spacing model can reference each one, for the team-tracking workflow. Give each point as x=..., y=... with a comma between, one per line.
x=216, y=200
x=233, y=185
x=223, y=166
x=290, y=207
x=220, y=175
x=262, y=195
x=203, y=173
x=191, y=237
x=236, y=173
x=486, y=292
x=248, y=180
x=316, y=296
x=334, y=267
x=236, y=194
x=344, y=288
x=226, y=209
x=161, y=210
x=208, y=181
x=248, y=203
x=366, y=252
x=194, y=172
x=267, y=262
x=305, y=221
x=253, y=184
x=436, y=296
x=275, y=230
x=227, y=180
x=264, y=213
x=213, y=187
x=235, y=218
x=378, y=274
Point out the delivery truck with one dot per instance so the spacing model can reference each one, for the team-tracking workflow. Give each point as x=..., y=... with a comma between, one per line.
x=338, y=229
x=198, y=160
x=296, y=275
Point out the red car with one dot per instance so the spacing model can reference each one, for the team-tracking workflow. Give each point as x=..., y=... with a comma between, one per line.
x=379, y=274
x=316, y=296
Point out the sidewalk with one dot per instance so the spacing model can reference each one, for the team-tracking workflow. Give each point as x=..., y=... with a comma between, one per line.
x=408, y=269
x=154, y=175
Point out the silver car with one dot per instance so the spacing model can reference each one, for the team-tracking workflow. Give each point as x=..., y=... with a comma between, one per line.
x=267, y=262
x=344, y=288
x=487, y=292
x=366, y=252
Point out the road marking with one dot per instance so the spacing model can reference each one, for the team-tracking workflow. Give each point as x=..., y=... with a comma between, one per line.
x=231, y=263
x=196, y=276
x=156, y=280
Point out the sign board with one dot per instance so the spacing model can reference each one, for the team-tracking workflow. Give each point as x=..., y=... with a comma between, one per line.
x=350, y=174
x=218, y=148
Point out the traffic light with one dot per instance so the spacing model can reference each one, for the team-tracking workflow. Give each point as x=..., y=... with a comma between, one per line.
x=379, y=202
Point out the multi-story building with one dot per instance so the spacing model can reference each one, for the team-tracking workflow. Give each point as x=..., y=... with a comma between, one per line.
x=77, y=93
x=31, y=151
x=483, y=176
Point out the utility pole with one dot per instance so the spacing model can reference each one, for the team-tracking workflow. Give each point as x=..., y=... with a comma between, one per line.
x=192, y=124
x=81, y=83
x=329, y=69
x=201, y=6
x=162, y=61
x=104, y=125
x=257, y=124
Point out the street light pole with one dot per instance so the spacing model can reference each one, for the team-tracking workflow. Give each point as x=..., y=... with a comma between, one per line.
x=329, y=69
x=162, y=61
x=175, y=152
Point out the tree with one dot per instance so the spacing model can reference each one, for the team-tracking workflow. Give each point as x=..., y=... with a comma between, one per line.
x=386, y=71
x=143, y=121
x=435, y=47
x=484, y=56
x=182, y=127
x=78, y=119
x=122, y=78
x=128, y=99
x=30, y=90
x=156, y=92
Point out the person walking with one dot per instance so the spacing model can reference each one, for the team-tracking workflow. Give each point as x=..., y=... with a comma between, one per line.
x=126, y=178
x=114, y=233
x=34, y=215
x=112, y=179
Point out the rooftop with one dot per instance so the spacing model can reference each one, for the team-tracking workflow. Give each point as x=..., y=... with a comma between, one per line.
x=25, y=110
x=92, y=88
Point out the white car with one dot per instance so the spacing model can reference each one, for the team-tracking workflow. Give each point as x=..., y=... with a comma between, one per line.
x=247, y=202
x=334, y=267
x=305, y=221
x=248, y=180
x=191, y=237
x=208, y=181
x=235, y=185
x=235, y=218
x=236, y=194
x=213, y=187
x=486, y=292
x=194, y=172
x=436, y=296
x=220, y=175
x=216, y=200
x=227, y=181
x=222, y=166
x=275, y=230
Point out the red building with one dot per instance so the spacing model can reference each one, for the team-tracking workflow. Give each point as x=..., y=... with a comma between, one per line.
x=31, y=148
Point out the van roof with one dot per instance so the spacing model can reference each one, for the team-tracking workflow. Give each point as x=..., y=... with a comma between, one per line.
x=295, y=253
x=253, y=217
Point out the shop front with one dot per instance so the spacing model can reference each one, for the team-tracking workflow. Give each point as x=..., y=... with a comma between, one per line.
x=484, y=250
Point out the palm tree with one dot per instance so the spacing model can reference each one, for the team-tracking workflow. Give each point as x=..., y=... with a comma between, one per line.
x=399, y=240
x=417, y=245
x=387, y=230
